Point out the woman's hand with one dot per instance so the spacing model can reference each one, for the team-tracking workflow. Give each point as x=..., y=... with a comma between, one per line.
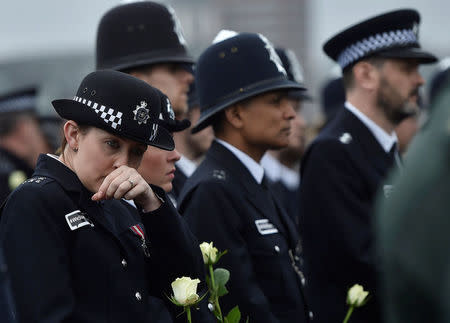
x=126, y=182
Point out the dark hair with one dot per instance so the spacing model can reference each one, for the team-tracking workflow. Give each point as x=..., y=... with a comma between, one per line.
x=347, y=74
x=83, y=129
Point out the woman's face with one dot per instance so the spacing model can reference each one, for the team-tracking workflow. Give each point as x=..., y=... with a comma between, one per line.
x=99, y=153
x=158, y=167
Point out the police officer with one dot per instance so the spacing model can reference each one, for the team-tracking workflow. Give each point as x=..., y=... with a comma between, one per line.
x=145, y=39
x=21, y=138
x=243, y=93
x=348, y=161
x=282, y=166
x=75, y=251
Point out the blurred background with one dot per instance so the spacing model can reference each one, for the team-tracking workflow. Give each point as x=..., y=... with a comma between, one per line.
x=51, y=43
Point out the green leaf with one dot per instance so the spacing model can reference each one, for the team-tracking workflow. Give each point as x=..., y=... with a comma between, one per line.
x=233, y=316
x=221, y=276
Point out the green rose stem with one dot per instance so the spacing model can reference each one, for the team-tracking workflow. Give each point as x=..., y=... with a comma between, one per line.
x=349, y=313
x=216, y=298
x=188, y=313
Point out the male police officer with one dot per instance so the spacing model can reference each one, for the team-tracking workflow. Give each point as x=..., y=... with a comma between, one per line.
x=348, y=161
x=145, y=39
x=243, y=93
x=21, y=139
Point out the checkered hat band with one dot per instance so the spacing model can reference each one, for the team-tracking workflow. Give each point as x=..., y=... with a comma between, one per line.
x=351, y=54
x=110, y=116
x=18, y=104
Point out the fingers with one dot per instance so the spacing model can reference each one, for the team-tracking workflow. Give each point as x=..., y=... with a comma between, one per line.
x=122, y=182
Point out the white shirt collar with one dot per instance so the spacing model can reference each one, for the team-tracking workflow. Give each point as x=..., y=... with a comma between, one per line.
x=276, y=171
x=253, y=167
x=386, y=140
x=272, y=167
x=186, y=165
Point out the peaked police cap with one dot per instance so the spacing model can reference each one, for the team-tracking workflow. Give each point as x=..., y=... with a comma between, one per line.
x=120, y=104
x=392, y=35
x=20, y=100
x=140, y=33
x=234, y=69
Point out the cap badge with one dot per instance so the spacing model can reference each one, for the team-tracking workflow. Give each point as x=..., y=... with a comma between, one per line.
x=141, y=113
x=170, y=110
x=273, y=54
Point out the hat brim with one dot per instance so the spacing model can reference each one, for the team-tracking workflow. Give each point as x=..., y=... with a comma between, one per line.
x=301, y=95
x=278, y=84
x=177, y=126
x=409, y=52
x=132, y=62
x=82, y=114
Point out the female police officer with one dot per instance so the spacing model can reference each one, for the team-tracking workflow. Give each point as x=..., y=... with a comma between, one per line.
x=75, y=252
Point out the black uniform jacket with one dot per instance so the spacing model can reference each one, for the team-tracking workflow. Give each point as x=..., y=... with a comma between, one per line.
x=223, y=203
x=96, y=272
x=178, y=182
x=341, y=172
x=9, y=163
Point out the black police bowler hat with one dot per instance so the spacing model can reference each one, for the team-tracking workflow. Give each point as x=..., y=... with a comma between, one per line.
x=20, y=100
x=391, y=35
x=294, y=72
x=234, y=69
x=140, y=33
x=120, y=104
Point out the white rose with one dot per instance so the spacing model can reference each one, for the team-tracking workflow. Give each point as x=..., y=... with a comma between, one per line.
x=209, y=252
x=185, y=290
x=356, y=295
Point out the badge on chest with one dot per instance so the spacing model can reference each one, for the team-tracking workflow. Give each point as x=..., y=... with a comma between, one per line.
x=77, y=219
x=265, y=227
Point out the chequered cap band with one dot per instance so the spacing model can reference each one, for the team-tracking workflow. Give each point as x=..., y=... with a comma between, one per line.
x=110, y=116
x=18, y=104
x=351, y=54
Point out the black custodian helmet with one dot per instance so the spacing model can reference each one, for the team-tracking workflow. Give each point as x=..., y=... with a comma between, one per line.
x=234, y=69
x=140, y=33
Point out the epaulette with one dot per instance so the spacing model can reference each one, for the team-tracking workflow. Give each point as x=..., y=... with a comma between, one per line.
x=37, y=180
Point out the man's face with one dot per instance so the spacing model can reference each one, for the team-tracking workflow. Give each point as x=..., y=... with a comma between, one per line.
x=267, y=120
x=398, y=88
x=173, y=80
x=199, y=142
x=297, y=137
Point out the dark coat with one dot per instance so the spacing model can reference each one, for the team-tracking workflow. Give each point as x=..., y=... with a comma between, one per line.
x=97, y=272
x=9, y=163
x=222, y=203
x=177, y=183
x=341, y=172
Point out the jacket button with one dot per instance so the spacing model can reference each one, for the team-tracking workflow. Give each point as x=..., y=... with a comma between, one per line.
x=277, y=249
x=303, y=281
x=138, y=296
x=311, y=315
x=124, y=263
